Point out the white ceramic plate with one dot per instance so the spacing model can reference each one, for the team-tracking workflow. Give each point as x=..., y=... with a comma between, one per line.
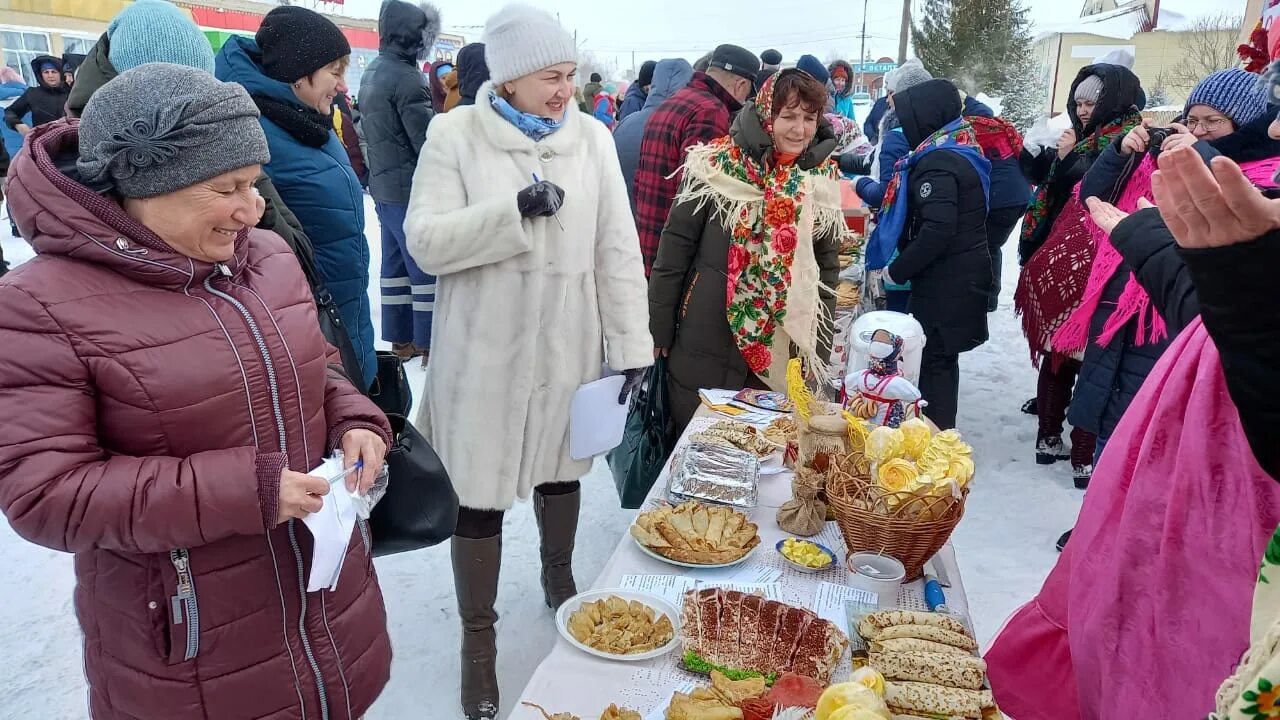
x=660, y=606
x=644, y=549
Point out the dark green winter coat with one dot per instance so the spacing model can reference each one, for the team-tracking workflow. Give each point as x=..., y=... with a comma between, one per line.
x=94, y=72
x=687, y=309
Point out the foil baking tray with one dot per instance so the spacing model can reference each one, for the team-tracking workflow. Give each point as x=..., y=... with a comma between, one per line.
x=716, y=474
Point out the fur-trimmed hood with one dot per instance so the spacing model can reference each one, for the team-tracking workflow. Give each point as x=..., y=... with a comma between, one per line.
x=408, y=30
x=848, y=86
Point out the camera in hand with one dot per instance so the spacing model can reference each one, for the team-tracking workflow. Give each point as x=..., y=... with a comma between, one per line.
x=1158, y=135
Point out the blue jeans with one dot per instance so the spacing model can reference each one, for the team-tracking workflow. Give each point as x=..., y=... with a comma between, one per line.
x=408, y=294
x=1097, y=450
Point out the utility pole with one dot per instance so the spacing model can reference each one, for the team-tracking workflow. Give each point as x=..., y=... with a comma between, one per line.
x=904, y=32
x=862, y=54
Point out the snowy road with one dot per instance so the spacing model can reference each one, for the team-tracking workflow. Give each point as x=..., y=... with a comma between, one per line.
x=1004, y=544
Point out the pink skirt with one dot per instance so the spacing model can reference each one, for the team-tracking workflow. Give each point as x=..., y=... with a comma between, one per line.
x=1147, y=610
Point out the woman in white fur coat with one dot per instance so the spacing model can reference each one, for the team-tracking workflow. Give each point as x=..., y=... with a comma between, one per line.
x=519, y=206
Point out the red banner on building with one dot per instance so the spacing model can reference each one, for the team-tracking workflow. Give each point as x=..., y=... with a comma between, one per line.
x=248, y=22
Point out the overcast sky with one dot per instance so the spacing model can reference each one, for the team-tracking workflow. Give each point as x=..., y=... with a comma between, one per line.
x=688, y=28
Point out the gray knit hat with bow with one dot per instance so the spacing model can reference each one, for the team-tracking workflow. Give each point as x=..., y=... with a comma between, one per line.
x=161, y=127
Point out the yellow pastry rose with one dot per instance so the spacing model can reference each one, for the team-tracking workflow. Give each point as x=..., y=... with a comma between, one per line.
x=961, y=469
x=934, y=463
x=869, y=677
x=852, y=700
x=884, y=443
x=898, y=475
x=916, y=435
x=949, y=440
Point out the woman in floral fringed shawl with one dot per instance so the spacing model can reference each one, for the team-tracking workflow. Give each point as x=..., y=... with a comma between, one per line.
x=751, y=249
x=1056, y=251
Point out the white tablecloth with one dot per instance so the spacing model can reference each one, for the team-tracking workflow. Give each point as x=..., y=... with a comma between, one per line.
x=569, y=680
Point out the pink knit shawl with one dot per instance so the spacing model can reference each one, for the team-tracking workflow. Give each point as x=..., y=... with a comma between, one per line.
x=1073, y=336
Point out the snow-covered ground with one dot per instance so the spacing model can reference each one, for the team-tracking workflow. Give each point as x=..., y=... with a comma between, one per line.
x=1004, y=544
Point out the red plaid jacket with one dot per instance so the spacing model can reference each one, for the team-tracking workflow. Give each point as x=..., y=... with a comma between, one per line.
x=700, y=112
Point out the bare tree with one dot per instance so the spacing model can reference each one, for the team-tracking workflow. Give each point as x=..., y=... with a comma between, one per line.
x=1208, y=46
x=589, y=62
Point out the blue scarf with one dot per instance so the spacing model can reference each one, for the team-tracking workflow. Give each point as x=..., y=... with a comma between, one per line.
x=958, y=137
x=536, y=128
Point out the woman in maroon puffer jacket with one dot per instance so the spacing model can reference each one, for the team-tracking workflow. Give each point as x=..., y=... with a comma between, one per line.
x=165, y=385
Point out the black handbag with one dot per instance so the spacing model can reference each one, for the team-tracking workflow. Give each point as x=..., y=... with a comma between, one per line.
x=646, y=441
x=420, y=507
x=335, y=332
x=390, y=390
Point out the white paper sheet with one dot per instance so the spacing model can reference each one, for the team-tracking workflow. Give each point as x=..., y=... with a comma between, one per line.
x=770, y=591
x=596, y=420
x=829, y=602
x=753, y=572
x=330, y=528
x=668, y=587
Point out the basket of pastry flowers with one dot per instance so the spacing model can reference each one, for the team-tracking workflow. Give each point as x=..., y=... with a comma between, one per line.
x=928, y=663
x=900, y=491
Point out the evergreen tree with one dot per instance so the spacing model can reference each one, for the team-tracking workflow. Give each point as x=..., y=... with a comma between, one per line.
x=1025, y=94
x=975, y=43
x=1157, y=96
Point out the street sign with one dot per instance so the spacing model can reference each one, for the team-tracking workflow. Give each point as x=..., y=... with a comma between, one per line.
x=879, y=67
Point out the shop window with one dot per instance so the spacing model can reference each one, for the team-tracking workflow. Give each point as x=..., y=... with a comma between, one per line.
x=20, y=48
x=78, y=45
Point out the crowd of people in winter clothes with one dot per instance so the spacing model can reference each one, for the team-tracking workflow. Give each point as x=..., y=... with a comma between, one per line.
x=197, y=327
x=1145, y=254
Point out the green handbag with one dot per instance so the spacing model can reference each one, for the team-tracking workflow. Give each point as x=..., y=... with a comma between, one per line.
x=646, y=442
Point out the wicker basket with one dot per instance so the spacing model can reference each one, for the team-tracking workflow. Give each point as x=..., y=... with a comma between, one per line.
x=905, y=526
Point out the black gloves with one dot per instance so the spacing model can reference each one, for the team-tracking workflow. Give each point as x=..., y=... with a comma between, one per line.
x=854, y=164
x=635, y=378
x=541, y=199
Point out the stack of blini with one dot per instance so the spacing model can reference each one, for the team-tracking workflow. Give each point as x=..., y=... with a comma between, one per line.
x=929, y=665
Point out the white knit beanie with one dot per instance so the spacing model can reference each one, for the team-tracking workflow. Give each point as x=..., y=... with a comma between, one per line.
x=911, y=74
x=519, y=40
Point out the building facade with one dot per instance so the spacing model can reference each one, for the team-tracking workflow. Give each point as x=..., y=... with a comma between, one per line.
x=34, y=27
x=1157, y=33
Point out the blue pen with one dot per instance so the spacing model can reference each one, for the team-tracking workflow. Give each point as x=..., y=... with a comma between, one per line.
x=554, y=215
x=354, y=468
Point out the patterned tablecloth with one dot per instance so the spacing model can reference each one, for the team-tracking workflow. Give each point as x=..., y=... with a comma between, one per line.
x=569, y=680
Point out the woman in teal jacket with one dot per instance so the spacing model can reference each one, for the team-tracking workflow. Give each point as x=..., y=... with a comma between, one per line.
x=293, y=68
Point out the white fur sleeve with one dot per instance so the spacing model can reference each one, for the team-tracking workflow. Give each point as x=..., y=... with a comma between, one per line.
x=444, y=232
x=621, y=290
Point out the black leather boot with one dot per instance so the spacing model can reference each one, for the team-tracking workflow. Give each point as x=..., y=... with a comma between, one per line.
x=475, y=578
x=558, y=524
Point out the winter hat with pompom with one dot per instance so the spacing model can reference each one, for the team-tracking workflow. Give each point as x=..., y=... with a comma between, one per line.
x=151, y=31
x=1238, y=94
x=519, y=40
